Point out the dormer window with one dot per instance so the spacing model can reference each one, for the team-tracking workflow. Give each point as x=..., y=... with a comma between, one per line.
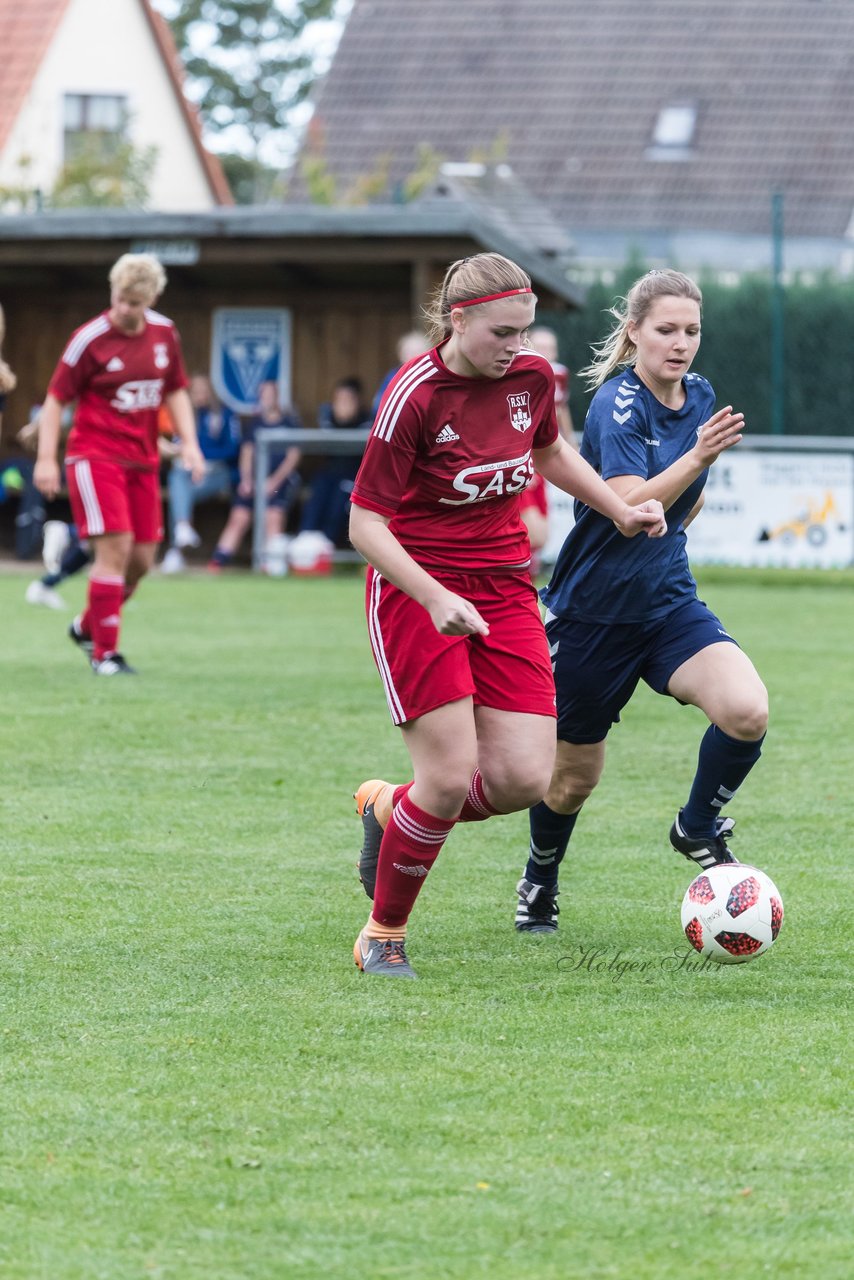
x=673, y=132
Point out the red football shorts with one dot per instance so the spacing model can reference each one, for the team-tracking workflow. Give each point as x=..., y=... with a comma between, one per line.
x=108, y=498
x=510, y=669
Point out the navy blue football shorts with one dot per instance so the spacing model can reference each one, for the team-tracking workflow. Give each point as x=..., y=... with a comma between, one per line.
x=597, y=665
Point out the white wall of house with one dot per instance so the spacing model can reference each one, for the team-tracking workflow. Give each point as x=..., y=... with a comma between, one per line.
x=107, y=47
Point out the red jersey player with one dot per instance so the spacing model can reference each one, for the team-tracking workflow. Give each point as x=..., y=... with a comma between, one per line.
x=535, y=499
x=544, y=341
x=453, y=616
x=120, y=368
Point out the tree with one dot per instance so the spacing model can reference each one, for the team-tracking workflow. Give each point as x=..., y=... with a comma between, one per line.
x=95, y=177
x=248, y=66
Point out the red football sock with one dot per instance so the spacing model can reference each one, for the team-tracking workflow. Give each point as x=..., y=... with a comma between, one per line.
x=127, y=591
x=410, y=846
x=103, y=615
x=400, y=792
x=476, y=808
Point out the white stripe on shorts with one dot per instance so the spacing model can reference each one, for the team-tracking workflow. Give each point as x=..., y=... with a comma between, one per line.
x=378, y=647
x=94, y=515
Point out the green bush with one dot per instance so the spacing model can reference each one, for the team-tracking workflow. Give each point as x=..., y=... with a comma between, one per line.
x=736, y=352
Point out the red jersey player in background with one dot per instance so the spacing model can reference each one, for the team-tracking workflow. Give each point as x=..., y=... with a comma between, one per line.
x=453, y=616
x=544, y=341
x=535, y=499
x=121, y=368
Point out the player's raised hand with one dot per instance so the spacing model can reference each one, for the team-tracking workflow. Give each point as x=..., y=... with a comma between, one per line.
x=722, y=431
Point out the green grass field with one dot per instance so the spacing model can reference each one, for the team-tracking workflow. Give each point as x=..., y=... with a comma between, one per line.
x=197, y=1082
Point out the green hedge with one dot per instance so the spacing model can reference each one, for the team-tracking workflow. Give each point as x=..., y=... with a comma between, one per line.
x=735, y=354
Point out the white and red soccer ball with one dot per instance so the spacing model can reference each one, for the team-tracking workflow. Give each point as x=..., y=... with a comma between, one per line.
x=732, y=913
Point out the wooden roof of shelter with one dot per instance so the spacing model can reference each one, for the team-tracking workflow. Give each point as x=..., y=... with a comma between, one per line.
x=353, y=280
x=295, y=243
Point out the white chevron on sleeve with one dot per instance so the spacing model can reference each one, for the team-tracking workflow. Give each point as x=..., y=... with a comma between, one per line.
x=622, y=403
x=621, y=417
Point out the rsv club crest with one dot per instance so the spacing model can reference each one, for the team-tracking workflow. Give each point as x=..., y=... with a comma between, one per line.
x=520, y=410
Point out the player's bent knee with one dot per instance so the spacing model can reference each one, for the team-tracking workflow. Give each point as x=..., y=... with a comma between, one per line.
x=748, y=721
x=519, y=790
x=446, y=795
x=567, y=792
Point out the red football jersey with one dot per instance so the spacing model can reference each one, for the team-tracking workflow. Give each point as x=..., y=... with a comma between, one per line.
x=119, y=381
x=449, y=456
x=561, y=374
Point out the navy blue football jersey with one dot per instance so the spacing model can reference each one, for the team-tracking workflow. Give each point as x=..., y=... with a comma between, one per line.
x=601, y=576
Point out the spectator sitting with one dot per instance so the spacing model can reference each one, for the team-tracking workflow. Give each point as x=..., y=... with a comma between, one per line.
x=281, y=485
x=219, y=433
x=16, y=475
x=409, y=345
x=8, y=381
x=11, y=479
x=328, y=503
x=63, y=553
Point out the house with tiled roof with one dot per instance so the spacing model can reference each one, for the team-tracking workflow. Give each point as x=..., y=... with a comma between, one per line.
x=92, y=72
x=667, y=127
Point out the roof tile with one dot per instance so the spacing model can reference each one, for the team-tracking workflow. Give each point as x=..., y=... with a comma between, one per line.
x=26, y=31
x=568, y=91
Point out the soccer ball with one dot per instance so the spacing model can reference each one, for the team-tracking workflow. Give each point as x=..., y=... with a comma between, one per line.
x=732, y=913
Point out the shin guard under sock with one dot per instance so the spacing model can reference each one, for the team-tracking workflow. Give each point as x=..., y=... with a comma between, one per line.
x=102, y=619
x=410, y=845
x=550, y=833
x=723, y=764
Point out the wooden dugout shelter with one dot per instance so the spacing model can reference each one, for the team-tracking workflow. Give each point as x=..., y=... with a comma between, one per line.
x=354, y=280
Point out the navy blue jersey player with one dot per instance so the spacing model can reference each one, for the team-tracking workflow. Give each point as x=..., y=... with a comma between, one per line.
x=623, y=610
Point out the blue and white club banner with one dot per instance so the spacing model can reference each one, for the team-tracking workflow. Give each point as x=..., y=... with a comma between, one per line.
x=250, y=345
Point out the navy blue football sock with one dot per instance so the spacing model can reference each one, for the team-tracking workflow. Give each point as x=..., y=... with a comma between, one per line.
x=550, y=834
x=723, y=764
x=74, y=558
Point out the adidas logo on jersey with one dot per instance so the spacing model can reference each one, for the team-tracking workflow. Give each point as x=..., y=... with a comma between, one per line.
x=115, y=364
x=447, y=435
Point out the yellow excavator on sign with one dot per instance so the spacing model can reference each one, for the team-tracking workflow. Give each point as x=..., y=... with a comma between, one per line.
x=810, y=525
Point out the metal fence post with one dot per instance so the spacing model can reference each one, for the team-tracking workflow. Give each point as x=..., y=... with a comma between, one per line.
x=778, y=355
